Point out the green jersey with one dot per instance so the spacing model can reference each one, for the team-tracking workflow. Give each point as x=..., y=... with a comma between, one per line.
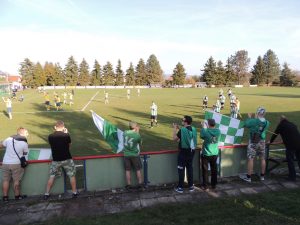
x=256, y=125
x=211, y=138
x=132, y=142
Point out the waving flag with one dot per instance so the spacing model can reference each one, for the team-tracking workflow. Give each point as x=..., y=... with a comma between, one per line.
x=112, y=135
x=231, y=129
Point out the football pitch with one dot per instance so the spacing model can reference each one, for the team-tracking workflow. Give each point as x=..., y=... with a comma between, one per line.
x=172, y=104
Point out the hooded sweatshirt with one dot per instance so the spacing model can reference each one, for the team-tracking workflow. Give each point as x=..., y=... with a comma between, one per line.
x=211, y=138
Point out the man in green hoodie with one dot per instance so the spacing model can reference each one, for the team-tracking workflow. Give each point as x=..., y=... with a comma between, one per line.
x=258, y=127
x=187, y=137
x=210, y=152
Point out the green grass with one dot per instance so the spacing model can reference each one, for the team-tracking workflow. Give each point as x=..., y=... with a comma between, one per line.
x=172, y=105
x=274, y=208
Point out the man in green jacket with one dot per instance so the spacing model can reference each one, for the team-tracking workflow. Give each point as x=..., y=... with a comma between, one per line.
x=187, y=137
x=210, y=152
x=132, y=142
x=258, y=127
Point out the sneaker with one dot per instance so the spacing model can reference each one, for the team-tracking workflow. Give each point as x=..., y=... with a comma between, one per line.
x=75, y=195
x=245, y=178
x=262, y=178
x=20, y=197
x=5, y=199
x=46, y=197
x=179, y=190
x=128, y=187
x=204, y=188
x=192, y=188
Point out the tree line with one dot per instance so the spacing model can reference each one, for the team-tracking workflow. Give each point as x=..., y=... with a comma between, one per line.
x=34, y=74
x=266, y=71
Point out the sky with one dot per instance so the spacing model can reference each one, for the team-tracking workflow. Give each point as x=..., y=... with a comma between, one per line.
x=187, y=31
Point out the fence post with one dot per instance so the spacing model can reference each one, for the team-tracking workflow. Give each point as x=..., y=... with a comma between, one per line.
x=84, y=174
x=145, y=161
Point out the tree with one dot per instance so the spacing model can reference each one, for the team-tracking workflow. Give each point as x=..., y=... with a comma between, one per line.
x=71, y=72
x=230, y=77
x=108, y=74
x=130, y=81
x=154, y=73
x=96, y=76
x=119, y=74
x=26, y=71
x=59, y=75
x=39, y=78
x=49, y=71
x=258, y=72
x=288, y=77
x=179, y=74
x=240, y=65
x=220, y=74
x=272, y=67
x=84, y=74
x=209, y=72
x=140, y=73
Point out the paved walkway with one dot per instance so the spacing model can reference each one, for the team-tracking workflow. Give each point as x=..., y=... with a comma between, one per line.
x=35, y=209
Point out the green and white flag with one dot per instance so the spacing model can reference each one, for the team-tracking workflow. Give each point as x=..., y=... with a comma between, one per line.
x=112, y=135
x=232, y=129
x=39, y=154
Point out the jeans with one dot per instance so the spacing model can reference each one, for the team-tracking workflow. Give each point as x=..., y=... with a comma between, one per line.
x=185, y=160
x=212, y=160
x=290, y=154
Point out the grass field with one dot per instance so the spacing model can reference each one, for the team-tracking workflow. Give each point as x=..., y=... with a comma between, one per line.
x=274, y=208
x=172, y=105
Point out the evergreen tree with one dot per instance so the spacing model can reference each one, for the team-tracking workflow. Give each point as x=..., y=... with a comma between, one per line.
x=59, y=76
x=288, y=77
x=240, y=65
x=230, y=77
x=272, y=67
x=130, y=81
x=71, y=72
x=108, y=75
x=154, y=73
x=119, y=74
x=84, y=74
x=49, y=73
x=179, y=74
x=26, y=71
x=258, y=72
x=96, y=78
x=209, y=72
x=220, y=74
x=140, y=73
x=39, y=78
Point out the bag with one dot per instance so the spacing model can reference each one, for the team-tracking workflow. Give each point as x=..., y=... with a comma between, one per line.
x=23, y=161
x=256, y=137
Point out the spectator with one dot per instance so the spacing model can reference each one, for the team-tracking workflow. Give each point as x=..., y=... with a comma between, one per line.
x=291, y=138
x=60, y=142
x=258, y=127
x=132, y=142
x=187, y=137
x=210, y=152
x=11, y=167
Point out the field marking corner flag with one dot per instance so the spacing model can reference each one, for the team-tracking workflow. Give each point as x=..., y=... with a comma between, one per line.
x=232, y=130
x=111, y=134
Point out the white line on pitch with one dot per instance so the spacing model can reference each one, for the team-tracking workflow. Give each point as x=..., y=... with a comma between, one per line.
x=46, y=112
x=89, y=101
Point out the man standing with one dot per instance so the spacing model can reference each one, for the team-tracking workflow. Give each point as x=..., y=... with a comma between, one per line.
x=60, y=142
x=205, y=102
x=222, y=99
x=128, y=94
x=132, y=142
x=106, y=98
x=47, y=101
x=153, y=108
x=11, y=167
x=210, y=152
x=187, y=137
x=291, y=138
x=258, y=127
x=8, y=103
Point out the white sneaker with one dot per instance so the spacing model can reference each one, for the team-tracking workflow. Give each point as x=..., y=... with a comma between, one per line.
x=245, y=178
x=262, y=178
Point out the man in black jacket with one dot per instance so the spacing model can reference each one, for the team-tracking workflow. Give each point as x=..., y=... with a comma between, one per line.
x=291, y=138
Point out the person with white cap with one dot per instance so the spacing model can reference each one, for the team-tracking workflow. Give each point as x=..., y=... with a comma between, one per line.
x=258, y=127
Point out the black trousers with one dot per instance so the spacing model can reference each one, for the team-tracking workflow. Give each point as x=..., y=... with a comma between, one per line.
x=212, y=160
x=185, y=160
x=290, y=155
